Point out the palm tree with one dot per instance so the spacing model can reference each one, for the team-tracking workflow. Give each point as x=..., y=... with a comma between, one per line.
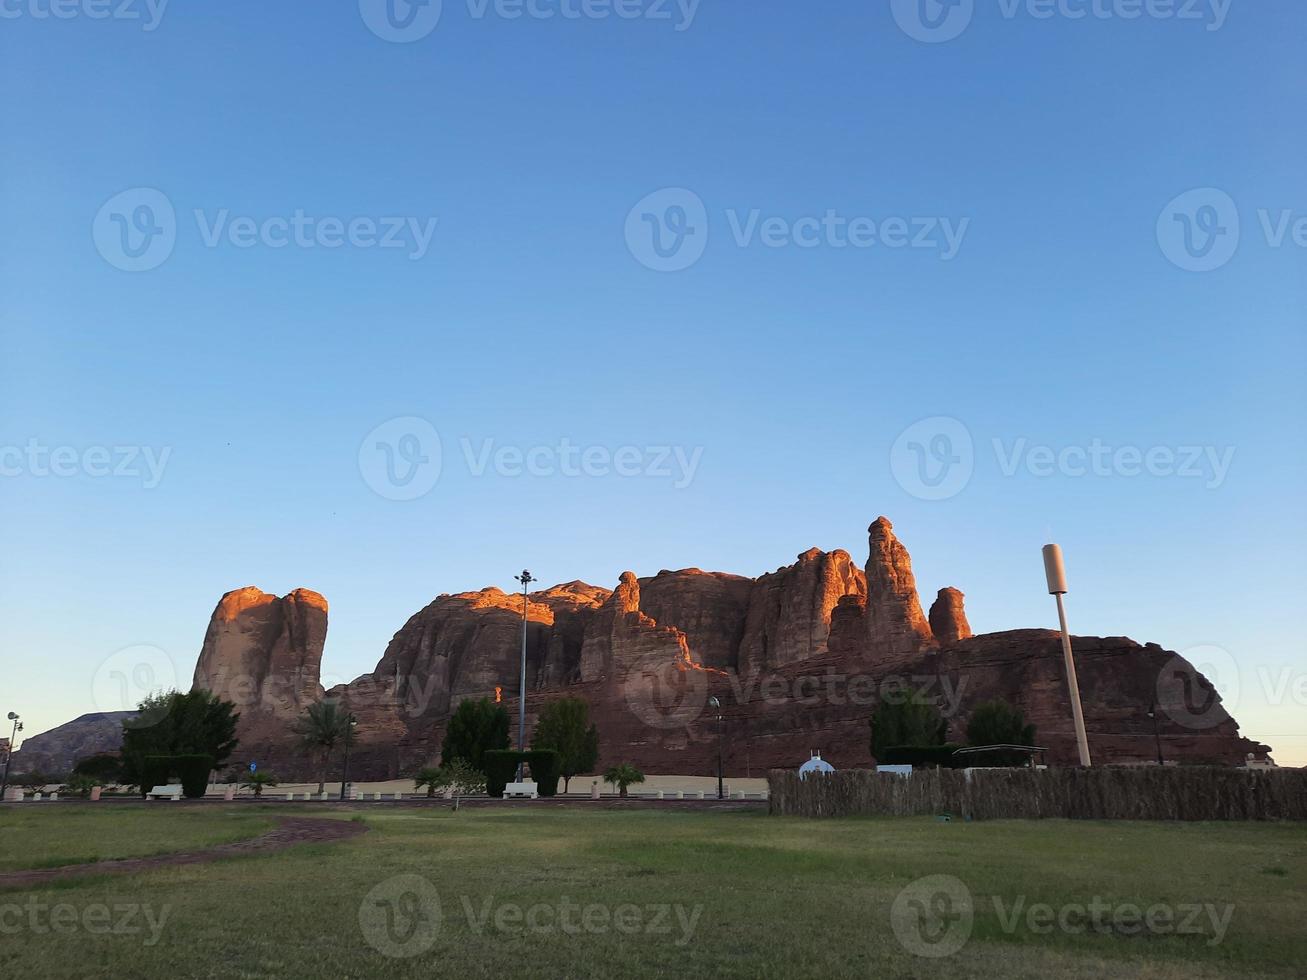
x=257, y=780
x=323, y=726
x=432, y=779
x=623, y=776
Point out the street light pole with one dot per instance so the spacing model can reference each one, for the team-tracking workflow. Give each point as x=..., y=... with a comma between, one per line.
x=1157, y=737
x=526, y=579
x=350, y=723
x=717, y=707
x=9, y=758
x=1055, y=573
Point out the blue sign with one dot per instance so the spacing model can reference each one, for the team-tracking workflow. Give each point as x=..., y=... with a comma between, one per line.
x=254, y=766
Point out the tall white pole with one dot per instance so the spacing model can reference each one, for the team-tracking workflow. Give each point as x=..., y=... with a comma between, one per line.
x=1055, y=572
x=526, y=580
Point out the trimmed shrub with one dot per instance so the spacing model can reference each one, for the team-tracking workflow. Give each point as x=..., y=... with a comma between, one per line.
x=194, y=772
x=500, y=766
x=546, y=769
x=921, y=756
x=155, y=770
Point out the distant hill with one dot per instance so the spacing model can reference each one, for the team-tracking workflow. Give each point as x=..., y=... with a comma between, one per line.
x=57, y=750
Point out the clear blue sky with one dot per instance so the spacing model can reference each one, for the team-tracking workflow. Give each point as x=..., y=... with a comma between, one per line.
x=1063, y=318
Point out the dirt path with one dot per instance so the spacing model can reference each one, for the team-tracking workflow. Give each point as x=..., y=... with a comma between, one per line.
x=289, y=831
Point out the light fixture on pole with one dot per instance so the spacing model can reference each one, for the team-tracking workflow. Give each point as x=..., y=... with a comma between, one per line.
x=350, y=724
x=1055, y=573
x=717, y=707
x=526, y=579
x=9, y=757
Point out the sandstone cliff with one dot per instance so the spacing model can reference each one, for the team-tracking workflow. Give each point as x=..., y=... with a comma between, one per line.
x=798, y=659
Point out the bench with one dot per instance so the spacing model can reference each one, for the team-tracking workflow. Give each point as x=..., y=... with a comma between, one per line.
x=523, y=790
x=170, y=792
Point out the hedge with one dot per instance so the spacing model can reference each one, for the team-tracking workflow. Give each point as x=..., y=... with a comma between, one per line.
x=155, y=770
x=194, y=772
x=501, y=766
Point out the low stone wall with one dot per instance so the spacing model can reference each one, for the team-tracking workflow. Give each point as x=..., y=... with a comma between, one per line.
x=1137, y=793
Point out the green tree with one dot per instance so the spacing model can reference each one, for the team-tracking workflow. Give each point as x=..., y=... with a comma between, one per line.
x=564, y=726
x=999, y=723
x=105, y=768
x=195, y=723
x=911, y=720
x=464, y=779
x=622, y=776
x=475, y=728
x=81, y=784
x=323, y=726
x=258, y=780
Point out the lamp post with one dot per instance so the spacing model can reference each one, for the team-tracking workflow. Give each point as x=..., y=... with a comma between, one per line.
x=9, y=758
x=717, y=707
x=526, y=579
x=350, y=724
x=1157, y=737
x=1055, y=573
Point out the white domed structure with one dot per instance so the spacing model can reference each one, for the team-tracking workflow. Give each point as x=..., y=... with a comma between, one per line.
x=815, y=765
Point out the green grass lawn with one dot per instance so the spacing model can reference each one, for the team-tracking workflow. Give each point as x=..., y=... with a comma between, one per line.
x=49, y=837
x=601, y=893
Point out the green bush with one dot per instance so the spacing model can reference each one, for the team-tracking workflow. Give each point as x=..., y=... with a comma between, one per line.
x=500, y=765
x=194, y=772
x=922, y=756
x=155, y=770
x=546, y=769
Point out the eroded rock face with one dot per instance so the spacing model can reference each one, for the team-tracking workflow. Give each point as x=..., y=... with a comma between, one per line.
x=896, y=627
x=789, y=616
x=798, y=659
x=948, y=618
x=264, y=653
x=59, y=749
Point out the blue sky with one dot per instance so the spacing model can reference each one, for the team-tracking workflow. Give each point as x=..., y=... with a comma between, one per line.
x=790, y=365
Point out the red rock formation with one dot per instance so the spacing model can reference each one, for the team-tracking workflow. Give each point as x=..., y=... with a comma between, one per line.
x=798, y=659
x=896, y=628
x=948, y=618
x=789, y=616
x=264, y=653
